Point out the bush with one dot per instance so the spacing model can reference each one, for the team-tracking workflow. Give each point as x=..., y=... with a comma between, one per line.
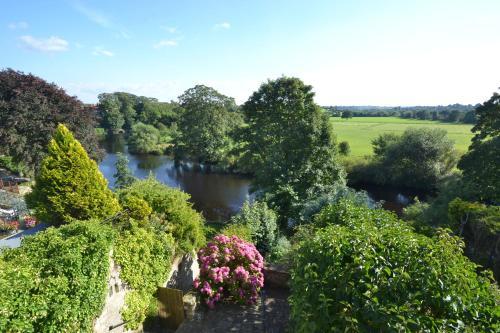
x=241, y=231
x=144, y=139
x=173, y=211
x=145, y=258
x=261, y=220
x=280, y=252
x=69, y=185
x=57, y=280
x=230, y=269
x=363, y=270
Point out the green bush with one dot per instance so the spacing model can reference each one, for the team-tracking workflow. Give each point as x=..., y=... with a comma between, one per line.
x=144, y=139
x=261, y=220
x=57, y=280
x=363, y=270
x=240, y=230
x=172, y=211
x=145, y=257
x=69, y=185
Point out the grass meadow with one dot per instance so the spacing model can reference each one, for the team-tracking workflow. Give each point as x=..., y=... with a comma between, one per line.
x=360, y=131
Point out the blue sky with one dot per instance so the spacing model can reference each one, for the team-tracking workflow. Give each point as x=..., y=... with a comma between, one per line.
x=352, y=52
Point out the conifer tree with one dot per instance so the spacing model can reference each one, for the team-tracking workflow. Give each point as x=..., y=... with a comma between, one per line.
x=69, y=185
x=123, y=176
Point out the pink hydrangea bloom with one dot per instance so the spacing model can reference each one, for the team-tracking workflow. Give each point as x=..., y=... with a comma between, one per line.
x=230, y=269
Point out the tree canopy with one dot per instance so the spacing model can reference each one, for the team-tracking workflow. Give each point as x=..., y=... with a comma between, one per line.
x=289, y=145
x=31, y=109
x=481, y=164
x=418, y=158
x=69, y=185
x=206, y=124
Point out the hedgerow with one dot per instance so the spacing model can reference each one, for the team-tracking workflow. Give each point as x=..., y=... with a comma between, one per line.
x=57, y=280
x=363, y=270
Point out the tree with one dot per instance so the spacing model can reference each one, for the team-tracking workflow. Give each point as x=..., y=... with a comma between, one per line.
x=289, y=145
x=346, y=114
x=344, y=148
x=206, y=124
x=109, y=107
x=69, y=185
x=123, y=176
x=481, y=164
x=144, y=139
x=31, y=109
x=419, y=158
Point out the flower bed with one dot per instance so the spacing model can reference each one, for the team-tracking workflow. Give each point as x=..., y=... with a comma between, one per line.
x=230, y=269
x=29, y=221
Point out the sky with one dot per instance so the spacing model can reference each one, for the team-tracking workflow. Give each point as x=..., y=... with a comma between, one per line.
x=353, y=52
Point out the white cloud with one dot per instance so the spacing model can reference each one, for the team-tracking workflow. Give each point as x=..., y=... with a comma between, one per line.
x=165, y=42
x=99, y=51
x=18, y=25
x=222, y=25
x=51, y=44
x=171, y=30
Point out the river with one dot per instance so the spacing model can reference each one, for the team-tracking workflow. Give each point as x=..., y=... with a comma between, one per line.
x=217, y=195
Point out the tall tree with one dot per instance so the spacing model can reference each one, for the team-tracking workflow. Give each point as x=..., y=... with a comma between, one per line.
x=290, y=145
x=481, y=164
x=206, y=124
x=69, y=185
x=123, y=176
x=30, y=109
x=112, y=118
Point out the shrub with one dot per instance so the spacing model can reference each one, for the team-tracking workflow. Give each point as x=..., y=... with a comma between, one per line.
x=145, y=258
x=280, y=252
x=173, y=211
x=69, y=185
x=261, y=220
x=241, y=231
x=144, y=139
x=230, y=269
x=363, y=270
x=57, y=280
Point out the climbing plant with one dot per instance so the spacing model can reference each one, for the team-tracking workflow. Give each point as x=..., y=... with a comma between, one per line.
x=57, y=280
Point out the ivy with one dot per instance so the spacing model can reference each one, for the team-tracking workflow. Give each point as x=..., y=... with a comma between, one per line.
x=145, y=257
x=57, y=280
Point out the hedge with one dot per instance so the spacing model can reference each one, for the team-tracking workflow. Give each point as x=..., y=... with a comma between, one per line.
x=363, y=270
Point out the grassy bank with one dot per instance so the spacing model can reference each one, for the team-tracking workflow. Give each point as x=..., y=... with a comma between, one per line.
x=360, y=131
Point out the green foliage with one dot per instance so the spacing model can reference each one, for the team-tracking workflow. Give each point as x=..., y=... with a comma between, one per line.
x=69, y=185
x=363, y=270
x=30, y=110
x=481, y=164
x=344, y=148
x=419, y=158
x=241, y=231
x=57, y=280
x=347, y=114
x=123, y=176
x=144, y=139
x=261, y=220
x=289, y=145
x=8, y=163
x=113, y=120
x=206, y=125
x=144, y=257
x=173, y=210
x=281, y=252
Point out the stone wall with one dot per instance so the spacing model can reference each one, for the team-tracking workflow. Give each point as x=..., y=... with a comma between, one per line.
x=183, y=271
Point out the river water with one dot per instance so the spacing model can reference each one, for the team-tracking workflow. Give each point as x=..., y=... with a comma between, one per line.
x=217, y=196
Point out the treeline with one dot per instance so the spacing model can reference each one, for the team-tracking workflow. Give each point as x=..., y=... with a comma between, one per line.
x=447, y=113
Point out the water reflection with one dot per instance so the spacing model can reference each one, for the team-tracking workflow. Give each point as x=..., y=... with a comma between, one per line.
x=218, y=196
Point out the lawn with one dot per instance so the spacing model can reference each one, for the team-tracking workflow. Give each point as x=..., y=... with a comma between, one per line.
x=359, y=131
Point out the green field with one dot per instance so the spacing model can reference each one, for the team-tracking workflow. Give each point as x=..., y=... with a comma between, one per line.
x=360, y=131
